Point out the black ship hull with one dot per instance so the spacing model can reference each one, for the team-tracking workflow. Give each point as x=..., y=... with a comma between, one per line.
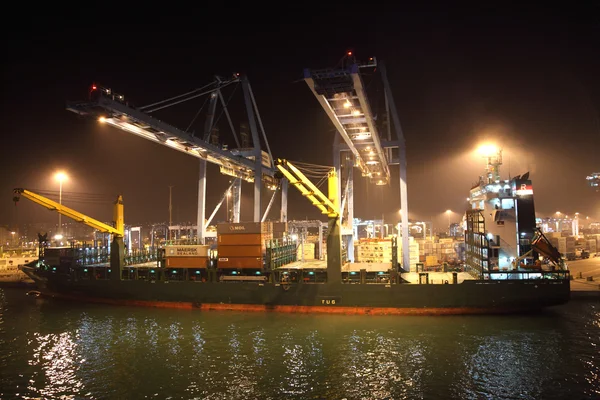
x=469, y=297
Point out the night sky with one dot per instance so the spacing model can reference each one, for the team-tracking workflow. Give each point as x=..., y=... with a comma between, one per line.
x=527, y=79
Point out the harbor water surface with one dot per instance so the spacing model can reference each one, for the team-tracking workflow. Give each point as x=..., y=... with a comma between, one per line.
x=53, y=349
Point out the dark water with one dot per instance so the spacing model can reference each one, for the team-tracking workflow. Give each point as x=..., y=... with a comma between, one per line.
x=58, y=350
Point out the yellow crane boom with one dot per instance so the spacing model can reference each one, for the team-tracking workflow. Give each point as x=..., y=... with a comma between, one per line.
x=117, y=230
x=309, y=190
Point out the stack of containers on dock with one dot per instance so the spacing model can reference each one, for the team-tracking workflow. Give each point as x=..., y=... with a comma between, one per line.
x=559, y=242
x=570, y=241
x=591, y=246
x=243, y=245
x=380, y=251
x=374, y=250
x=280, y=230
x=413, y=256
x=306, y=251
x=187, y=256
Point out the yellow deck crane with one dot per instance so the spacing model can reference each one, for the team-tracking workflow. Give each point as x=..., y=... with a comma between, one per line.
x=117, y=250
x=329, y=205
x=543, y=246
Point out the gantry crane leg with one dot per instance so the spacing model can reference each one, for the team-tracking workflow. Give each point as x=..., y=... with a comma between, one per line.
x=334, y=236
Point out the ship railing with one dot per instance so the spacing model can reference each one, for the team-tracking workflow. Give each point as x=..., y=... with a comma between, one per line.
x=527, y=275
x=241, y=278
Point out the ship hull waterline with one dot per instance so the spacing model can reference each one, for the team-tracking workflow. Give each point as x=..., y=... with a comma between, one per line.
x=469, y=297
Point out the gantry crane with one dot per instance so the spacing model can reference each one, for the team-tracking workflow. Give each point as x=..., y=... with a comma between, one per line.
x=342, y=94
x=117, y=250
x=329, y=205
x=250, y=164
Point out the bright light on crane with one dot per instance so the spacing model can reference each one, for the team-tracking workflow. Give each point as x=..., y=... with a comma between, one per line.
x=102, y=119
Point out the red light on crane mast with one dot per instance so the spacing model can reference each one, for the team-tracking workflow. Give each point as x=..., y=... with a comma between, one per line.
x=349, y=53
x=94, y=87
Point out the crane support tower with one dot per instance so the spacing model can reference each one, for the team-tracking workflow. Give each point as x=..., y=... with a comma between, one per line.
x=117, y=230
x=343, y=95
x=250, y=164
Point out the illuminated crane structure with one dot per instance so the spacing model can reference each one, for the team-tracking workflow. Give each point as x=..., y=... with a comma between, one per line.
x=329, y=205
x=594, y=180
x=342, y=94
x=250, y=164
x=117, y=229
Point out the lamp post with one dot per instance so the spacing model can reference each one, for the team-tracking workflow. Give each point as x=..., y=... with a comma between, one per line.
x=448, y=212
x=60, y=177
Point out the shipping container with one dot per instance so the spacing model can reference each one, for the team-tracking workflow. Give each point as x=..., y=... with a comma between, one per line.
x=240, y=262
x=241, y=251
x=245, y=227
x=198, y=250
x=431, y=261
x=241, y=239
x=280, y=227
x=187, y=262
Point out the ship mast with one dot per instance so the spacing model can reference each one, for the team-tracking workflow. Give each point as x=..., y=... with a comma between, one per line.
x=493, y=162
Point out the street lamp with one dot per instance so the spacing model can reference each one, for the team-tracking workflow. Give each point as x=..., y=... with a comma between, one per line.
x=448, y=212
x=60, y=177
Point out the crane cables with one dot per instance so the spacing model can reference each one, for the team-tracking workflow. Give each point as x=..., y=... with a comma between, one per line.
x=314, y=171
x=75, y=197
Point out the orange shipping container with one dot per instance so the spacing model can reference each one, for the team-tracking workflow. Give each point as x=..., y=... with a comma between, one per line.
x=240, y=251
x=187, y=262
x=240, y=262
x=241, y=239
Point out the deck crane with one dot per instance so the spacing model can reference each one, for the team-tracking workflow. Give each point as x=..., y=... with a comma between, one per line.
x=540, y=244
x=117, y=250
x=329, y=205
x=342, y=94
x=249, y=164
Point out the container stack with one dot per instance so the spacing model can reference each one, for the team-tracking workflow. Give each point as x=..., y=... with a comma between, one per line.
x=380, y=251
x=280, y=230
x=413, y=249
x=187, y=256
x=560, y=243
x=591, y=246
x=243, y=245
x=306, y=251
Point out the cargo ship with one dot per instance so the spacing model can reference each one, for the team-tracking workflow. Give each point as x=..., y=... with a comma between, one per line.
x=510, y=267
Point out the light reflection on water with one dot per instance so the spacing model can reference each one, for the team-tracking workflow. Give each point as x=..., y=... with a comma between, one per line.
x=75, y=351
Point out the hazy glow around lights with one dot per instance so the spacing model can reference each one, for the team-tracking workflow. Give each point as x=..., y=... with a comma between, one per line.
x=487, y=150
x=61, y=176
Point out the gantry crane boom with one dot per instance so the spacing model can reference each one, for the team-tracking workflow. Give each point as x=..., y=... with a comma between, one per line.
x=117, y=230
x=111, y=108
x=342, y=95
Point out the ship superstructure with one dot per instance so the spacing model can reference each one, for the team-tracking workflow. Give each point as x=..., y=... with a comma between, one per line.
x=502, y=241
